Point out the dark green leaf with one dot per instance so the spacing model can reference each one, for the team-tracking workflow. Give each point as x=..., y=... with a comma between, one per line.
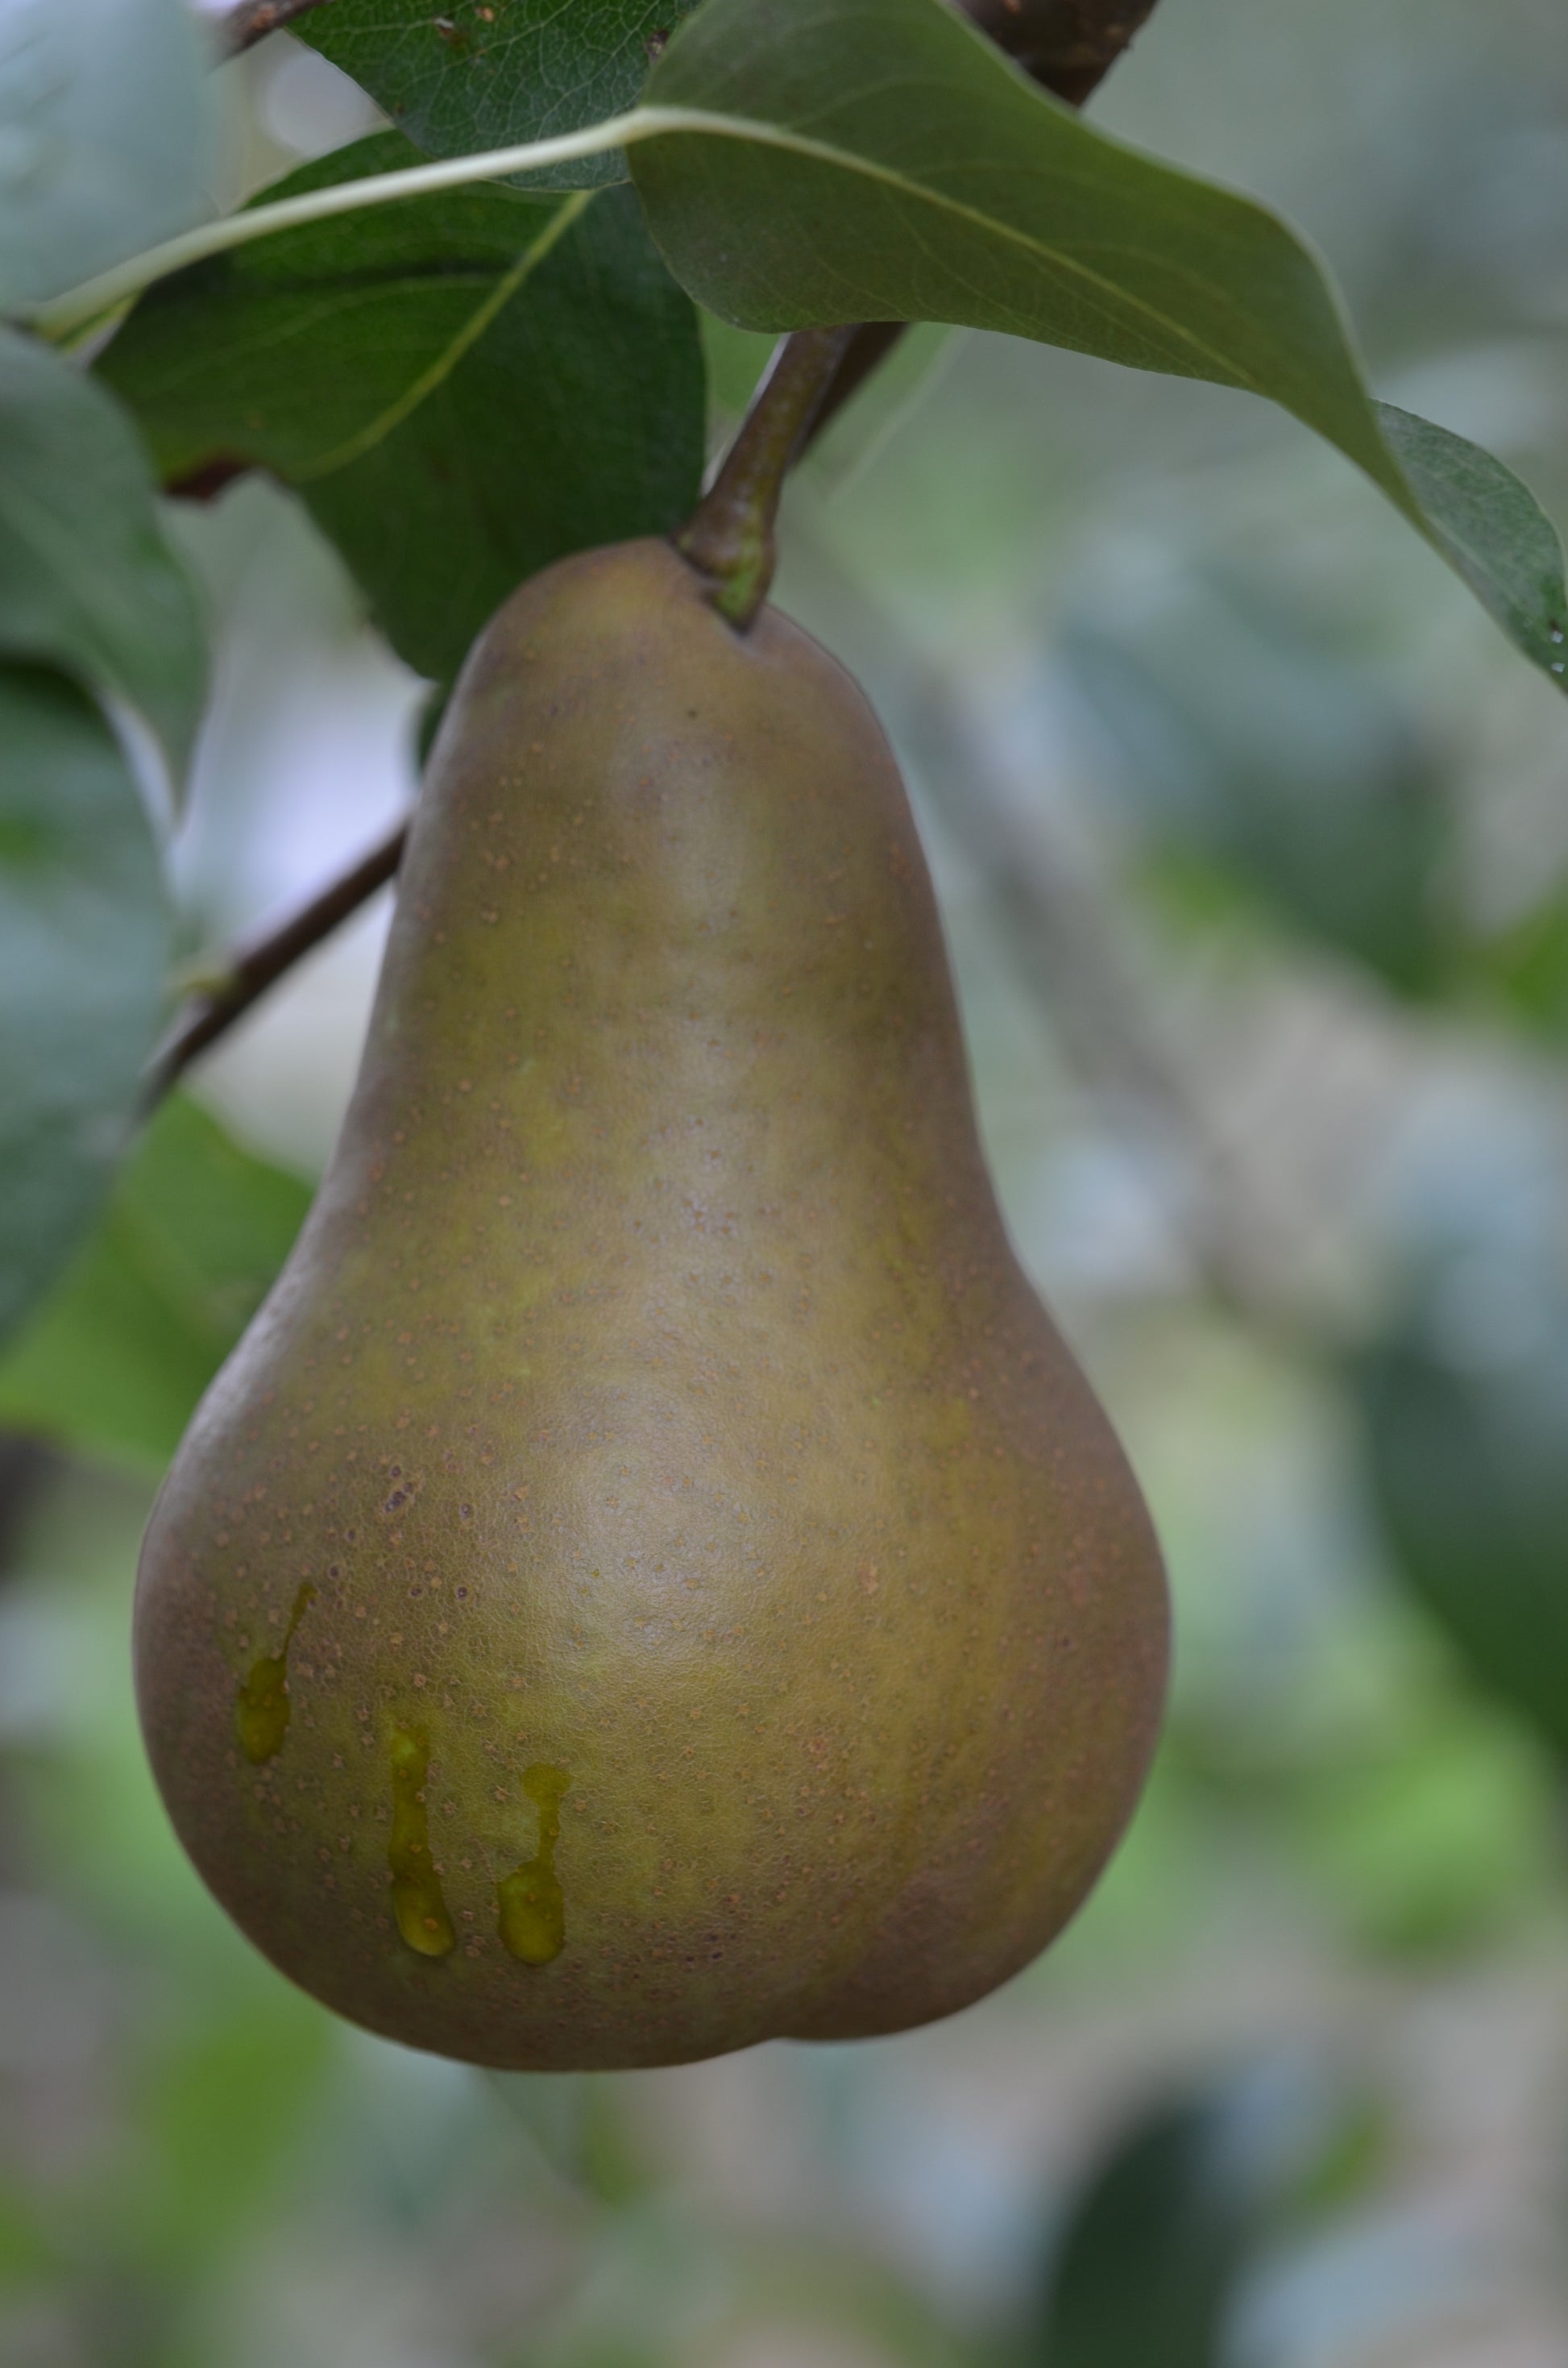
x=1467, y=1450
x=1156, y=2245
x=115, y=1362
x=83, y=942
x=464, y=387
x=86, y=579
x=491, y=74
x=1151, y=2257
x=880, y=160
x=103, y=136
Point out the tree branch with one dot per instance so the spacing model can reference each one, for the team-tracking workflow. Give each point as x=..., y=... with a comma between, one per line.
x=252, y=970
x=1068, y=45
x=254, y=19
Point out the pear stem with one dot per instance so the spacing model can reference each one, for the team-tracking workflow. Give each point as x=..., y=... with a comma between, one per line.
x=729, y=536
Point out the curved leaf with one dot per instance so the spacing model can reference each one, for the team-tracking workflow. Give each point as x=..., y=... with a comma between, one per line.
x=88, y=581
x=463, y=388
x=805, y=161
x=878, y=159
x=1490, y=530
x=83, y=942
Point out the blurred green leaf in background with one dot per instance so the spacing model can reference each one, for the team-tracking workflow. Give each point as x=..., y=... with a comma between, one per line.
x=1240, y=739
x=85, y=934
x=87, y=580
x=1468, y=1448
x=189, y=1244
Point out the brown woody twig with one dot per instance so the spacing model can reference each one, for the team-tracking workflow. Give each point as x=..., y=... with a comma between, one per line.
x=1068, y=45
x=254, y=19
x=250, y=972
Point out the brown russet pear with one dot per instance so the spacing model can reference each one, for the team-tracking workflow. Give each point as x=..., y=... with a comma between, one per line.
x=653, y=1577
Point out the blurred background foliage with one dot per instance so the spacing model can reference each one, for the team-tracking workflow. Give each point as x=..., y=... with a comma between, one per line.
x=1252, y=841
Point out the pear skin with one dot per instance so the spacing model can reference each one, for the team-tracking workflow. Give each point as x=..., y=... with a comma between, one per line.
x=653, y=1577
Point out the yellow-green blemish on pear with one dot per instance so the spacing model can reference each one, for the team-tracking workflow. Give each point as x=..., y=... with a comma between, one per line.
x=261, y=1713
x=532, y=1920
x=417, y=1903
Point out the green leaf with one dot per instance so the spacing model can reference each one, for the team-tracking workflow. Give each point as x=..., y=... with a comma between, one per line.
x=229, y=2102
x=880, y=160
x=103, y=136
x=88, y=581
x=1153, y=2251
x=1437, y=1842
x=1522, y=971
x=1180, y=2214
x=1468, y=1456
x=84, y=944
x=185, y=1251
x=1491, y=530
x=464, y=387
x=499, y=73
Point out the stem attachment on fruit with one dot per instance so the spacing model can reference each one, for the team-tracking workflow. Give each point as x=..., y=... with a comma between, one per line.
x=730, y=534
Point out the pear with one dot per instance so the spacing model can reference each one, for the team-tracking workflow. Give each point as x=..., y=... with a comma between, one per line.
x=653, y=1577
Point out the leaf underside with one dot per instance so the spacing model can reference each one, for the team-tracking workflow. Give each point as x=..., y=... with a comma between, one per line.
x=491, y=74
x=808, y=161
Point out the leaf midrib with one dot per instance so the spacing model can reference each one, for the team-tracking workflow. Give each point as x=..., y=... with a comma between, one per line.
x=320, y=301
x=672, y=121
